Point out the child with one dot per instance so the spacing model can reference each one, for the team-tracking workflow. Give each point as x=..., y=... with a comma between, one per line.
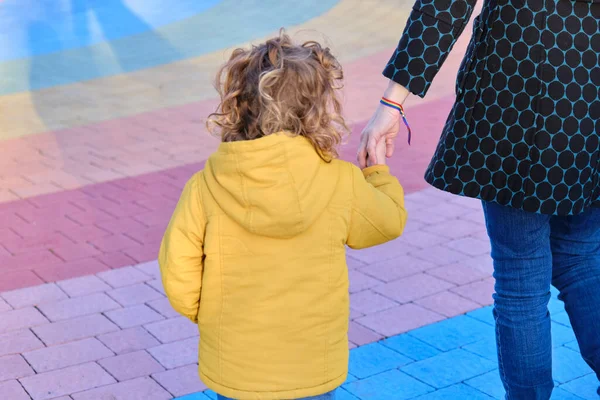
x=255, y=250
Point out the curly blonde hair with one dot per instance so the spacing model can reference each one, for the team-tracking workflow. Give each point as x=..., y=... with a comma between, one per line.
x=280, y=86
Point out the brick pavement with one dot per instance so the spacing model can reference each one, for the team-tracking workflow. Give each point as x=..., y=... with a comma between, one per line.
x=115, y=329
x=90, y=172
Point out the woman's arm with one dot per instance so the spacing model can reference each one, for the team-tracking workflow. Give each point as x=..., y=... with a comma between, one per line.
x=430, y=33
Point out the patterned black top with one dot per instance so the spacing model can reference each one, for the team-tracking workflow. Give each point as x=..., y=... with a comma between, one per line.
x=524, y=131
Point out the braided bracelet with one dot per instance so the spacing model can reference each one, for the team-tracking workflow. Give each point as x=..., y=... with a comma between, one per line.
x=397, y=106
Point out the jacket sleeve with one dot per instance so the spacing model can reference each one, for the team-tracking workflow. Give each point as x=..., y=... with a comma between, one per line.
x=181, y=256
x=430, y=33
x=378, y=213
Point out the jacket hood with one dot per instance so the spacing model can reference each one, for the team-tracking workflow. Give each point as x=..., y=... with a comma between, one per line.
x=266, y=185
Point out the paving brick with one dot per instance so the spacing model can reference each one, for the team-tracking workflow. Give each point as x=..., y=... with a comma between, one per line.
x=143, y=253
x=483, y=314
x=355, y=314
x=115, y=260
x=14, y=367
x=24, y=256
x=65, y=381
x=113, y=243
x=360, y=281
x=129, y=340
x=388, y=385
x=426, y=217
x=470, y=246
x=561, y=318
x=75, y=251
x=90, y=217
x=568, y=365
x=173, y=329
x=410, y=347
x=399, y=319
x=458, y=273
x=150, y=268
x=74, y=329
x=440, y=255
x=18, y=279
x=422, y=239
x=16, y=342
x=353, y=263
x=157, y=285
x=163, y=307
x=123, y=277
x=72, y=269
x=78, y=307
x=39, y=228
x=180, y=381
x=584, y=387
x=150, y=234
x=396, y=268
x=441, y=370
x=361, y=335
x=382, y=252
x=13, y=390
x=20, y=319
x=133, y=316
x=83, y=286
x=561, y=335
x=413, y=287
x=176, y=354
x=485, y=348
x=121, y=225
x=479, y=292
x=368, y=301
x=447, y=303
x=34, y=295
x=19, y=245
x=454, y=229
x=134, y=294
x=131, y=365
x=373, y=359
x=84, y=233
x=488, y=383
x=460, y=391
x=4, y=306
x=136, y=389
x=454, y=333
x=73, y=353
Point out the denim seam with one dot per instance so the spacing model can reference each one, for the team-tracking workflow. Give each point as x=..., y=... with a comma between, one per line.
x=500, y=359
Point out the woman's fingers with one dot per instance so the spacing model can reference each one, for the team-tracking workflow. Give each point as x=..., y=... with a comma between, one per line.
x=390, y=146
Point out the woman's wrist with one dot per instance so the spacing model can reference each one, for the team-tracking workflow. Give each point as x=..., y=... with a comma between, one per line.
x=396, y=92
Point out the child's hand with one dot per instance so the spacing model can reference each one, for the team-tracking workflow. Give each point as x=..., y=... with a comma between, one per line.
x=380, y=153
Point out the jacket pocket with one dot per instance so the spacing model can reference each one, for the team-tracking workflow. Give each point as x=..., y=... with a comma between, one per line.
x=470, y=54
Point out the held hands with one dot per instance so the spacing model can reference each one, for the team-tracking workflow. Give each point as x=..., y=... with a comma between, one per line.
x=377, y=139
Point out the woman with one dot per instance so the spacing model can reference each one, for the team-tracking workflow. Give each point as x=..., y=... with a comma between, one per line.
x=523, y=136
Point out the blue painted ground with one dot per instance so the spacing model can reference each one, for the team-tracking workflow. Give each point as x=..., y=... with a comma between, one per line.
x=92, y=38
x=25, y=24
x=454, y=360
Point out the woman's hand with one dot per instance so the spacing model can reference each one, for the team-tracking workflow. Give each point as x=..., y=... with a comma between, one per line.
x=383, y=126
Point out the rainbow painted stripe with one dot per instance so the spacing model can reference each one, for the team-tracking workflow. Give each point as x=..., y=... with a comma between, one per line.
x=398, y=106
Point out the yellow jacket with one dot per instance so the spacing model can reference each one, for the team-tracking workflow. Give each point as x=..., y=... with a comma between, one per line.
x=255, y=253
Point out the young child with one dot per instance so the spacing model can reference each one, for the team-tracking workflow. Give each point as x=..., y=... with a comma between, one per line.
x=255, y=250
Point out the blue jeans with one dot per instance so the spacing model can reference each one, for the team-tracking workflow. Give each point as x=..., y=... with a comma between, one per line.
x=530, y=253
x=326, y=396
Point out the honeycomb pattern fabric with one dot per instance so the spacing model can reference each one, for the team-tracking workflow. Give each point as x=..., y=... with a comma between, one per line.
x=524, y=130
